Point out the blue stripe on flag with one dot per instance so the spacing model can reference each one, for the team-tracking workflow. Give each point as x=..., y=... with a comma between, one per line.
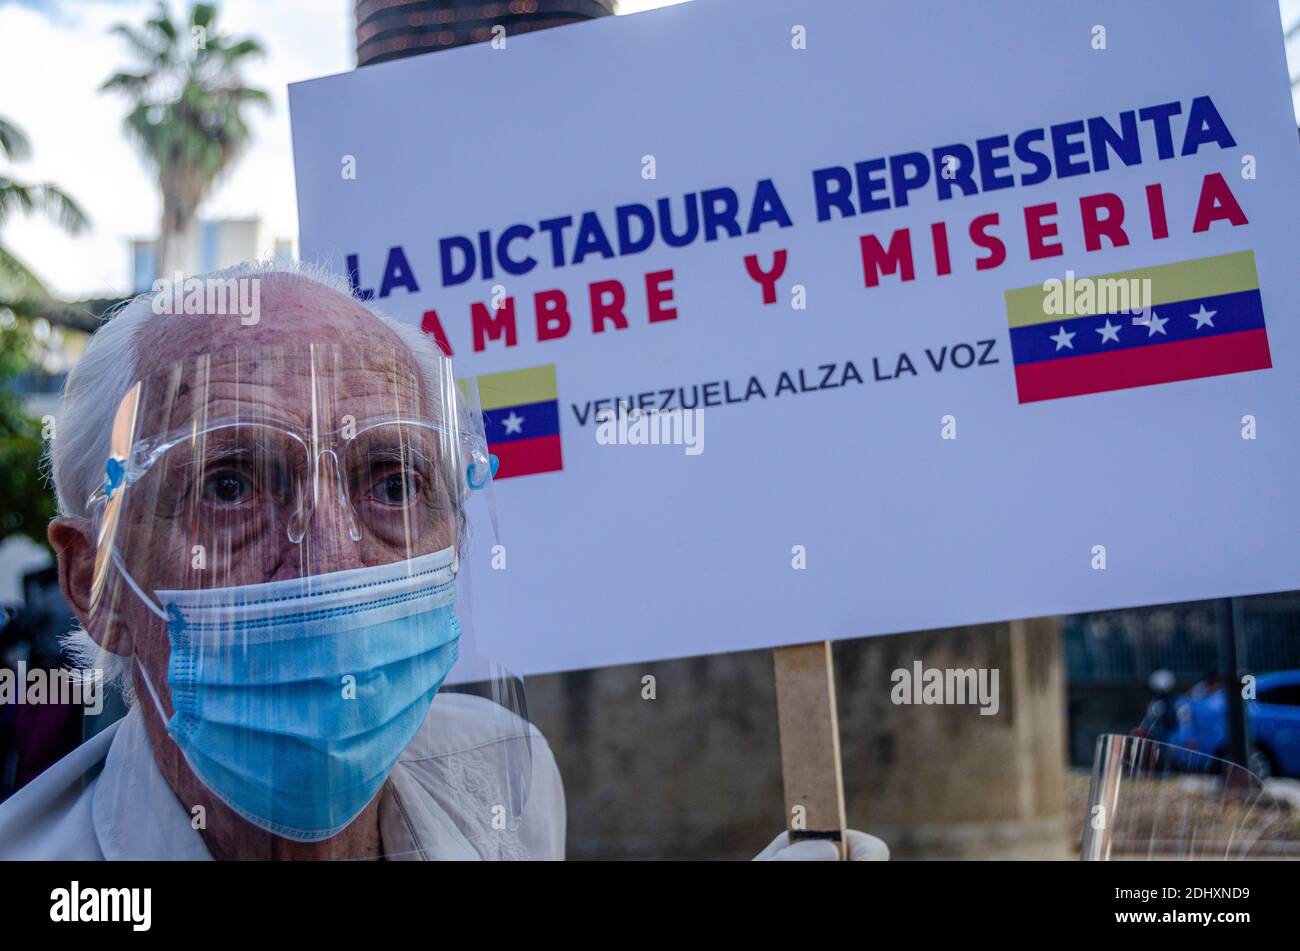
x=1239, y=311
x=526, y=421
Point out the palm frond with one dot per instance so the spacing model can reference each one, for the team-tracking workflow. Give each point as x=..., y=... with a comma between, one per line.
x=245, y=48
x=13, y=142
x=241, y=94
x=202, y=15
x=161, y=23
x=15, y=198
x=146, y=46
x=61, y=207
x=132, y=84
x=17, y=279
x=46, y=198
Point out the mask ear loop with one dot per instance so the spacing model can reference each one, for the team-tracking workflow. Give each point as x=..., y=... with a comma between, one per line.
x=153, y=694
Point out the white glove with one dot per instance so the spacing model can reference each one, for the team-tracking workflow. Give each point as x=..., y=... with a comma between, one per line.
x=862, y=848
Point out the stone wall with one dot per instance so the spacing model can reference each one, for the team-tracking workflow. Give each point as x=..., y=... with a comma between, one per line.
x=696, y=772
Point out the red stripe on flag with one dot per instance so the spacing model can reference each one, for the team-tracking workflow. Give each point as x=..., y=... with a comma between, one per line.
x=520, y=457
x=1143, y=366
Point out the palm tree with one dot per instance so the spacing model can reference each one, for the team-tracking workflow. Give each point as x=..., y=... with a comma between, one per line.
x=187, y=111
x=19, y=287
x=28, y=505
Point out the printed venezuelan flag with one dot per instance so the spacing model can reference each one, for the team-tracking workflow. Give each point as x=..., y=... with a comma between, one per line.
x=521, y=417
x=1203, y=318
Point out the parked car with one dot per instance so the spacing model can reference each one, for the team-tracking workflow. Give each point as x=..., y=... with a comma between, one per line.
x=1272, y=717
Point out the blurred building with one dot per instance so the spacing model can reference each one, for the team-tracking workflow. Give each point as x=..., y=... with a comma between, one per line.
x=1110, y=656
x=209, y=246
x=391, y=29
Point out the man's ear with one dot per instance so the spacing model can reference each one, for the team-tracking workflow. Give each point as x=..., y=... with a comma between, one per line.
x=73, y=542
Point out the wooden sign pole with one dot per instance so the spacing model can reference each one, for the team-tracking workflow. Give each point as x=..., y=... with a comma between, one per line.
x=810, y=743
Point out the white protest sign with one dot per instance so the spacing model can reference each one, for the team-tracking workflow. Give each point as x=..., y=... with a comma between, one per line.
x=803, y=219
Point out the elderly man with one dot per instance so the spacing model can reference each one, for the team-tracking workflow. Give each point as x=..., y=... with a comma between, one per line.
x=261, y=523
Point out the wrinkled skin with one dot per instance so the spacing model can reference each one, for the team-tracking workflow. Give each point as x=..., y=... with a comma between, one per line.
x=293, y=313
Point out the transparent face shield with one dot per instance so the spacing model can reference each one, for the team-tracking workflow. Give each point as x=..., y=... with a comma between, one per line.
x=1154, y=801
x=281, y=540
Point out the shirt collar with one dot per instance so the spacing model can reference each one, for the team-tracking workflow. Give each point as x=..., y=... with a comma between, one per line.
x=137, y=816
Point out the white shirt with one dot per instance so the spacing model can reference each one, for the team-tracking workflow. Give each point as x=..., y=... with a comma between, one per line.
x=442, y=800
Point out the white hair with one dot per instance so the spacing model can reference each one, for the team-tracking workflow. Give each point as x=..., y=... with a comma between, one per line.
x=115, y=359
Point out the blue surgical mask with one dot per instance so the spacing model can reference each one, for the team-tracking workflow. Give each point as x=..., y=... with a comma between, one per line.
x=295, y=698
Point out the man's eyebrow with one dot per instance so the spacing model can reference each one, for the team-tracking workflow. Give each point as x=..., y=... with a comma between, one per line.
x=220, y=444
x=403, y=450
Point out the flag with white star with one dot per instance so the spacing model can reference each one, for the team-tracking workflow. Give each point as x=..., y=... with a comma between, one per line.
x=1193, y=319
x=521, y=419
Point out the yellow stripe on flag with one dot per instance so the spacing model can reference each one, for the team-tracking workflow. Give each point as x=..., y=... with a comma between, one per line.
x=517, y=387
x=1170, y=283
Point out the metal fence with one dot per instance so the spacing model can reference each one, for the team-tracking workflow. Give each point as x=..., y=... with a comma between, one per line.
x=1110, y=656
x=1112, y=647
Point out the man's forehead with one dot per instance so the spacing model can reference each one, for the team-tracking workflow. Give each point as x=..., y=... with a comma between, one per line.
x=294, y=386
x=313, y=353
x=291, y=310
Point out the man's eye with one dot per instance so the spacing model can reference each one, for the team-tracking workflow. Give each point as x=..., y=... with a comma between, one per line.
x=228, y=488
x=396, y=489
